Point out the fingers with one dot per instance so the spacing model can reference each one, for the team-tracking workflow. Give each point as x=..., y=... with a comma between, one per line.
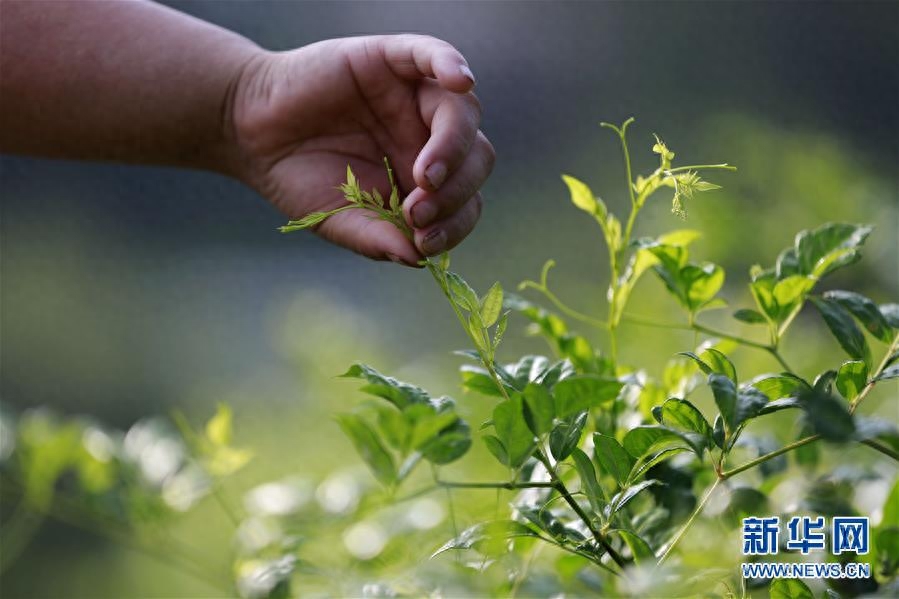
x=422, y=207
x=447, y=233
x=453, y=120
x=420, y=56
x=363, y=233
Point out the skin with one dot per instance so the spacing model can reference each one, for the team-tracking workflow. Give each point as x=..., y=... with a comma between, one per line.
x=138, y=82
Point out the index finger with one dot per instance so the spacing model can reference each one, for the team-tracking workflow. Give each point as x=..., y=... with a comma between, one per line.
x=420, y=56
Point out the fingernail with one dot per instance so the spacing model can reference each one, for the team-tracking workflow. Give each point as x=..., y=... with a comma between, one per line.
x=397, y=260
x=434, y=242
x=467, y=72
x=436, y=173
x=423, y=213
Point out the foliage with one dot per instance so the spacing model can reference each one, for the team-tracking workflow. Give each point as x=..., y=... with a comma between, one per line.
x=609, y=467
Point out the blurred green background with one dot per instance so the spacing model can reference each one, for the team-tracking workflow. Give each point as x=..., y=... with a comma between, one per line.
x=128, y=291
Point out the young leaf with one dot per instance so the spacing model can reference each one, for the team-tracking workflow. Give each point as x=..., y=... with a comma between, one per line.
x=485, y=532
x=749, y=316
x=369, y=446
x=612, y=457
x=736, y=406
x=843, y=328
x=852, y=378
x=789, y=588
x=778, y=386
x=496, y=447
x=475, y=378
x=719, y=363
x=623, y=497
x=516, y=437
x=579, y=393
x=701, y=282
x=640, y=549
x=643, y=440
x=218, y=429
x=492, y=305
x=865, y=311
x=565, y=436
x=451, y=444
x=583, y=198
x=589, y=484
x=829, y=247
x=462, y=293
x=397, y=392
x=538, y=409
x=681, y=414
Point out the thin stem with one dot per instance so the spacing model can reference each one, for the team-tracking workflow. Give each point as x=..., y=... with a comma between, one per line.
x=768, y=456
x=510, y=486
x=880, y=368
x=696, y=167
x=683, y=530
x=575, y=506
x=564, y=309
x=881, y=448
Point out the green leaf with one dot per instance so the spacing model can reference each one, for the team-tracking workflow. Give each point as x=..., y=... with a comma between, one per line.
x=789, y=588
x=538, y=409
x=583, y=198
x=484, y=532
x=829, y=247
x=475, y=378
x=640, y=549
x=701, y=283
x=396, y=392
x=612, y=457
x=219, y=429
x=642, y=440
x=451, y=444
x=736, y=406
x=890, y=313
x=852, y=378
x=891, y=372
x=462, y=293
x=623, y=497
x=749, y=316
x=865, y=311
x=778, y=386
x=589, y=484
x=369, y=446
x=492, y=305
x=719, y=363
x=827, y=415
x=681, y=414
x=513, y=431
x=579, y=393
x=496, y=447
x=565, y=436
x=843, y=328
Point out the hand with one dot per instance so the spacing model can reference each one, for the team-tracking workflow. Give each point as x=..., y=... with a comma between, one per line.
x=300, y=117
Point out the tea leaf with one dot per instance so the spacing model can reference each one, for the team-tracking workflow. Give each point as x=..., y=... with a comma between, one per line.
x=589, y=484
x=828, y=416
x=583, y=198
x=491, y=305
x=566, y=435
x=789, y=588
x=512, y=430
x=486, y=531
x=496, y=447
x=749, y=316
x=612, y=457
x=843, y=328
x=580, y=393
x=538, y=409
x=369, y=446
x=865, y=311
x=852, y=378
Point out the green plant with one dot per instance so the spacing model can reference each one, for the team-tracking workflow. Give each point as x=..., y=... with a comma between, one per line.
x=611, y=471
x=633, y=501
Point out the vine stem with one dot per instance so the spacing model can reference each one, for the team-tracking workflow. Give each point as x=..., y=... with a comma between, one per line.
x=683, y=530
x=771, y=349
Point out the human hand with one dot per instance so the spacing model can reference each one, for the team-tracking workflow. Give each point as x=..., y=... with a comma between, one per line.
x=298, y=118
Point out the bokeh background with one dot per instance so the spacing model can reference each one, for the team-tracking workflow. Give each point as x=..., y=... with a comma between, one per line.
x=128, y=291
